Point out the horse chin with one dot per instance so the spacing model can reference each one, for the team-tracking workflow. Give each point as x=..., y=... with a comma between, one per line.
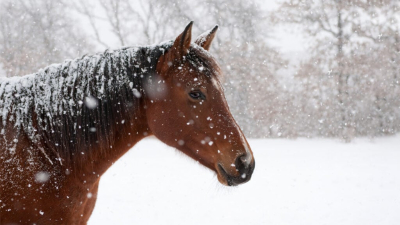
x=222, y=180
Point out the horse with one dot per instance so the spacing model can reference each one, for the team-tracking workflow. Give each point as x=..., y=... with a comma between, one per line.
x=63, y=127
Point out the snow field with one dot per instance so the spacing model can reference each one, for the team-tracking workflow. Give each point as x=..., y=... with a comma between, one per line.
x=302, y=182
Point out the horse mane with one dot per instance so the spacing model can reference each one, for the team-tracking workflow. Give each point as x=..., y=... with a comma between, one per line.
x=75, y=106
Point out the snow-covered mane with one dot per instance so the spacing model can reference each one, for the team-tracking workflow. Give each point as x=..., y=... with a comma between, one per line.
x=74, y=106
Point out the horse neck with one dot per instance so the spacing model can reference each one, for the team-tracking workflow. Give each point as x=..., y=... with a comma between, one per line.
x=119, y=121
x=125, y=136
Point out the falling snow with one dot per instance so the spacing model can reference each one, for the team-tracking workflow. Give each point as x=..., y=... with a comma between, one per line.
x=336, y=75
x=42, y=177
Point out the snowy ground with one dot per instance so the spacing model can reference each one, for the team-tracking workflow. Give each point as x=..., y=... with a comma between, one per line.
x=295, y=182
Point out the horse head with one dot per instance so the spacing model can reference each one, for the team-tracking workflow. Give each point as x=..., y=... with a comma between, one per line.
x=187, y=109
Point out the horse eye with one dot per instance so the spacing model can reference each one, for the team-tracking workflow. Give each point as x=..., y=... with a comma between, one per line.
x=196, y=95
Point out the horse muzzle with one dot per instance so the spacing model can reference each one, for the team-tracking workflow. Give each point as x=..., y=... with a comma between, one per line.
x=244, y=166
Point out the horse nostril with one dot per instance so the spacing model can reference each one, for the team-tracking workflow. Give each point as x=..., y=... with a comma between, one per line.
x=245, y=159
x=242, y=163
x=245, y=166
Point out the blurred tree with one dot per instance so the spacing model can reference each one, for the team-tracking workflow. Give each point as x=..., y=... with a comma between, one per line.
x=36, y=33
x=341, y=58
x=347, y=86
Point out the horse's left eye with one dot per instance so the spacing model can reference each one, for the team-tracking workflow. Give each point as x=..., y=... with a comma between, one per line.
x=196, y=95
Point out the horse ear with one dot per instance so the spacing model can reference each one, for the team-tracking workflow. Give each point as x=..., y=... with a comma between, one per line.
x=182, y=42
x=205, y=39
x=178, y=50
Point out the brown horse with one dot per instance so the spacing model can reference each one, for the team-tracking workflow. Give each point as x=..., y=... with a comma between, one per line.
x=63, y=127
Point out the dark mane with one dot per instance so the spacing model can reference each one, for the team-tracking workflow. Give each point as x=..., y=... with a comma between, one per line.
x=75, y=106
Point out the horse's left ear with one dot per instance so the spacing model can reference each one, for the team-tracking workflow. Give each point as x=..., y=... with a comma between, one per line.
x=205, y=39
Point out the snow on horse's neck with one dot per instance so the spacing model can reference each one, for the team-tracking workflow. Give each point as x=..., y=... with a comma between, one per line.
x=79, y=106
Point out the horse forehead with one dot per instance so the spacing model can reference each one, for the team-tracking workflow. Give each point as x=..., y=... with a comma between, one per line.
x=201, y=80
x=197, y=78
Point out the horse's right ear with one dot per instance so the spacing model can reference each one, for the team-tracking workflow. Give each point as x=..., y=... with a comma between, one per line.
x=179, y=49
x=182, y=42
